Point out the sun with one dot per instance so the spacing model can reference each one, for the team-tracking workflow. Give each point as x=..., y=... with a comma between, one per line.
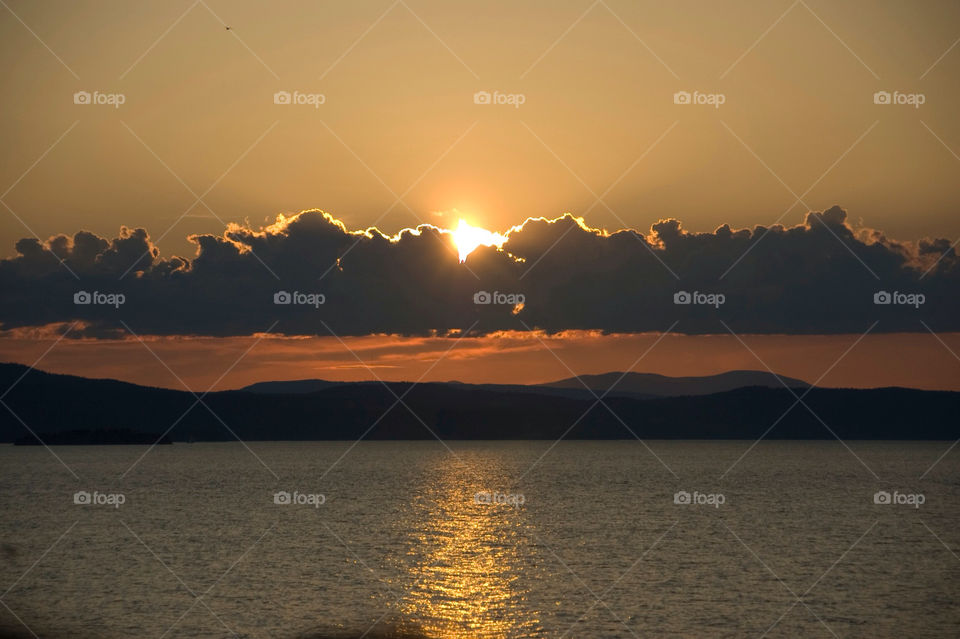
x=467, y=238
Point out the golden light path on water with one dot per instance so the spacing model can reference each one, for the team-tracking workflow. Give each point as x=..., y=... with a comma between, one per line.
x=466, y=561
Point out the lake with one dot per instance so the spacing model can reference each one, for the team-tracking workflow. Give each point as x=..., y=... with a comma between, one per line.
x=482, y=539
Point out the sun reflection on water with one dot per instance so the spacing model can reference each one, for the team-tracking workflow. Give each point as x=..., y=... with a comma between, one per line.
x=466, y=561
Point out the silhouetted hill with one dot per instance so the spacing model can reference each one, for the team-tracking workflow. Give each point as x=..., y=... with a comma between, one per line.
x=299, y=386
x=57, y=403
x=651, y=384
x=637, y=385
x=290, y=387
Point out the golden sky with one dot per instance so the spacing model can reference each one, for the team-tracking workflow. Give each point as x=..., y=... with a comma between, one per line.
x=588, y=117
x=598, y=118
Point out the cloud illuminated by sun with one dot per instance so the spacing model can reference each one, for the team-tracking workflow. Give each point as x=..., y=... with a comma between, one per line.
x=467, y=238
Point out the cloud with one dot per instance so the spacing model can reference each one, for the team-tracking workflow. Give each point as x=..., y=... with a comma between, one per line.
x=553, y=275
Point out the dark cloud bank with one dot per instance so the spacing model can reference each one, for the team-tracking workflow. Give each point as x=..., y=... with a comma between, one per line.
x=803, y=279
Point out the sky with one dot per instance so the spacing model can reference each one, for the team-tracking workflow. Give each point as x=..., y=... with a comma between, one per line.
x=587, y=117
x=843, y=361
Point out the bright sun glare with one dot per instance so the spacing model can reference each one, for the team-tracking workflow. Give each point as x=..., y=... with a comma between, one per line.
x=467, y=238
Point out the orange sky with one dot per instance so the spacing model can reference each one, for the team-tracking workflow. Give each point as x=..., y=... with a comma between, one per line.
x=400, y=139
x=914, y=360
x=399, y=120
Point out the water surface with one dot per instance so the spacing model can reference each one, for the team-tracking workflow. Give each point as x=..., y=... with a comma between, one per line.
x=587, y=540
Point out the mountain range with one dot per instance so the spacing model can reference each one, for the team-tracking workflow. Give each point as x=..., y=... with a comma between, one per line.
x=636, y=385
x=639, y=405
